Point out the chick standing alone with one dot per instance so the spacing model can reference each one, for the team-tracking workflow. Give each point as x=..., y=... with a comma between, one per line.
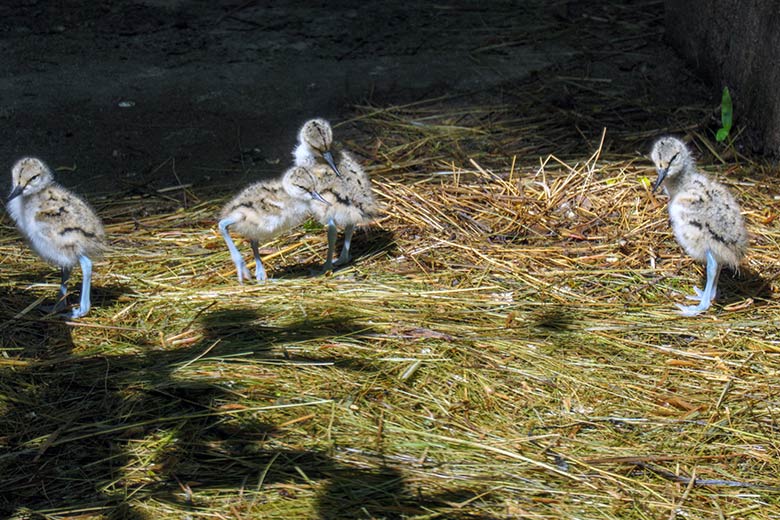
x=59, y=226
x=265, y=209
x=705, y=218
x=349, y=191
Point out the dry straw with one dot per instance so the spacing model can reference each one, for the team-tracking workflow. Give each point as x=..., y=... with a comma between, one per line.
x=504, y=345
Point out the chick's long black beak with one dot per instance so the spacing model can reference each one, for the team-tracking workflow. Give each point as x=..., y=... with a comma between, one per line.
x=661, y=176
x=328, y=156
x=317, y=196
x=15, y=193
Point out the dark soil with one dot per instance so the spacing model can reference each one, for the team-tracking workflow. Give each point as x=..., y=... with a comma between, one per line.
x=156, y=93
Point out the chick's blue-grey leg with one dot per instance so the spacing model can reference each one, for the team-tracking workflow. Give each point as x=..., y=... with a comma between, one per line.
x=713, y=272
x=344, y=256
x=259, y=269
x=332, y=233
x=697, y=297
x=86, y=284
x=241, y=268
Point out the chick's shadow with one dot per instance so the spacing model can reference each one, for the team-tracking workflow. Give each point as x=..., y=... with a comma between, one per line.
x=366, y=242
x=734, y=287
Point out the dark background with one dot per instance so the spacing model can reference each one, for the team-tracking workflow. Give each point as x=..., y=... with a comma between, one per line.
x=161, y=92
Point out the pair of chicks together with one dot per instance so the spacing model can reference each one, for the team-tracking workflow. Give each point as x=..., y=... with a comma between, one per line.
x=339, y=196
x=64, y=230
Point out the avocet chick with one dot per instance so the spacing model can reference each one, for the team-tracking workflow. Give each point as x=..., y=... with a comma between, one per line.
x=354, y=186
x=346, y=207
x=61, y=227
x=314, y=141
x=705, y=218
x=265, y=209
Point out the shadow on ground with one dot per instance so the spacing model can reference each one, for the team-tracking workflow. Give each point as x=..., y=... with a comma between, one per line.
x=747, y=283
x=365, y=243
x=71, y=427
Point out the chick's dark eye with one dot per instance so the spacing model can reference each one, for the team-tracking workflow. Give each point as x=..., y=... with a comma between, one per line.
x=674, y=157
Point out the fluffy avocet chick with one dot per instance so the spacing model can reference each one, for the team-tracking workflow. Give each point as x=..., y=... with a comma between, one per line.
x=61, y=227
x=356, y=202
x=705, y=218
x=314, y=141
x=265, y=209
x=344, y=210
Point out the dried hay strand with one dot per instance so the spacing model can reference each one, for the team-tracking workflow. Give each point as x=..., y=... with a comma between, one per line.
x=503, y=345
